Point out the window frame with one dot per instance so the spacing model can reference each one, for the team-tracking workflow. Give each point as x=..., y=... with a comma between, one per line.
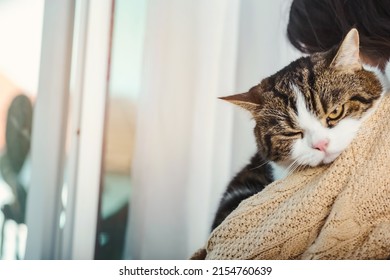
x=83, y=159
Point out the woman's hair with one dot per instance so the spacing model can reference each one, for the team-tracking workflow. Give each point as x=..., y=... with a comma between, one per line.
x=318, y=25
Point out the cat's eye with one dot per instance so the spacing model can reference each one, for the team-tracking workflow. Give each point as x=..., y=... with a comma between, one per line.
x=293, y=134
x=336, y=113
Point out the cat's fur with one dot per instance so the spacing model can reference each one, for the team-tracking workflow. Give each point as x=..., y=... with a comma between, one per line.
x=306, y=115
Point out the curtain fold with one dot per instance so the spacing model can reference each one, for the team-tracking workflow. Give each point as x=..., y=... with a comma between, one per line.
x=189, y=143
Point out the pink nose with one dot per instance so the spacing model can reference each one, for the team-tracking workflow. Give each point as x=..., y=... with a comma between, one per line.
x=321, y=145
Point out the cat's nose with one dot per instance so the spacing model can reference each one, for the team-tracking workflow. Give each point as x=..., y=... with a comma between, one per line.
x=321, y=145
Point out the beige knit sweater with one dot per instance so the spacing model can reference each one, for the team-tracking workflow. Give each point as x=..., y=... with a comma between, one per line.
x=339, y=211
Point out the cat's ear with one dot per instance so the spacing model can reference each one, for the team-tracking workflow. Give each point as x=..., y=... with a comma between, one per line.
x=347, y=57
x=245, y=100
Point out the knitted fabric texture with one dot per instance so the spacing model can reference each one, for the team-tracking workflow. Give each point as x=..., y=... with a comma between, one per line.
x=339, y=211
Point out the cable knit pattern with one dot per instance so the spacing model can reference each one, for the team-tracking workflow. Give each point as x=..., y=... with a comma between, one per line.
x=339, y=211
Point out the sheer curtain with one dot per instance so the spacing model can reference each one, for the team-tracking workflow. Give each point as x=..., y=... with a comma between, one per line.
x=189, y=143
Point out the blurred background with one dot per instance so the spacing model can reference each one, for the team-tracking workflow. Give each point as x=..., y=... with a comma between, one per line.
x=113, y=142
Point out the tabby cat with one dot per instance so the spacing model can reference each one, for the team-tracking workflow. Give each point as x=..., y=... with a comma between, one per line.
x=306, y=115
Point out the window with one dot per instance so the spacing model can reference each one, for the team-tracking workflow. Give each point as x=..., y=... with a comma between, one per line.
x=19, y=72
x=124, y=88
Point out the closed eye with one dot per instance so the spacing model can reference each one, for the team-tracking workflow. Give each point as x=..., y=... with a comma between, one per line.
x=293, y=134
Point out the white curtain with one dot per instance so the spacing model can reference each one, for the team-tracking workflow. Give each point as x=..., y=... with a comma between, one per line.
x=189, y=144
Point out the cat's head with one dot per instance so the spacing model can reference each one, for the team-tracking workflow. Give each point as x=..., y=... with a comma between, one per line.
x=310, y=111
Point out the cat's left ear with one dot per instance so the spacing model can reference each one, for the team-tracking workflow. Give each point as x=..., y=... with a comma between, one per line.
x=245, y=100
x=347, y=57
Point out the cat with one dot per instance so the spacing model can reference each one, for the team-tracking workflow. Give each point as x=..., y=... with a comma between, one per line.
x=306, y=115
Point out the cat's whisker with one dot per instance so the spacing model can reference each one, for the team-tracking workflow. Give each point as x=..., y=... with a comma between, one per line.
x=267, y=161
x=296, y=165
x=291, y=168
x=300, y=167
x=288, y=167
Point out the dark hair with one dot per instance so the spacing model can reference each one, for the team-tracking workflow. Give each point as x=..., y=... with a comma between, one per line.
x=318, y=25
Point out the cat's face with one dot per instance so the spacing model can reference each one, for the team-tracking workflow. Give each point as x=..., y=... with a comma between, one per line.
x=309, y=112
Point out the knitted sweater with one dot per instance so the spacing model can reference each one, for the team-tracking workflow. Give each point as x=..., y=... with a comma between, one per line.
x=339, y=211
